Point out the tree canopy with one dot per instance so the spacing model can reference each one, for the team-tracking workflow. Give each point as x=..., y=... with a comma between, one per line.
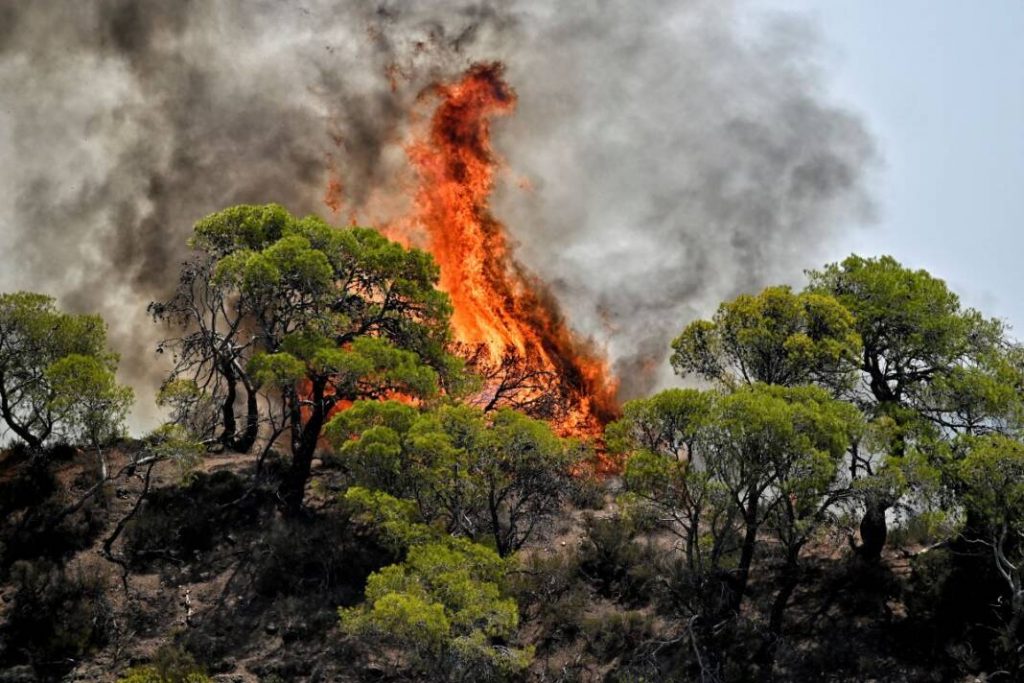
x=310, y=315
x=931, y=369
x=775, y=337
x=56, y=373
x=487, y=475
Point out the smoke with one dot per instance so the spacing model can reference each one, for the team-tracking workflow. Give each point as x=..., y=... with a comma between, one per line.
x=674, y=155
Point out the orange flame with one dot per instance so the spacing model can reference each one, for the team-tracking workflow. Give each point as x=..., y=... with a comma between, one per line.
x=497, y=302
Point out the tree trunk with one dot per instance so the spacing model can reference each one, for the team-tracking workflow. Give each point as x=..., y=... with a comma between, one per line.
x=499, y=540
x=227, y=437
x=770, y=646
x=747, y=551
x=1012, y=631
x=304, y=442
x=244, y=442
x=873, y=531
x=33, y=441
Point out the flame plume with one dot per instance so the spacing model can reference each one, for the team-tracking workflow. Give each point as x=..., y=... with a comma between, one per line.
x=498, y=305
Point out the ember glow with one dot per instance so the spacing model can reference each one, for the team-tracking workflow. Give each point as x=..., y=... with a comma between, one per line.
x=498, y=305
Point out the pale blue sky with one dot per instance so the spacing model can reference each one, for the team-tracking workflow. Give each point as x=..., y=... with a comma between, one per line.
x=940, y=84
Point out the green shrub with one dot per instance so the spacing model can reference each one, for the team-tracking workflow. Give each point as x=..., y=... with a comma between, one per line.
x=444, y=612
x=170, y=665
x=150, y=674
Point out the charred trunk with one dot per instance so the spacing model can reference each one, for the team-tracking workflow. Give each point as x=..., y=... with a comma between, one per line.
x=305, y=436
x=742, y=576
x=34, y=442
x=767, y=652
x=873, y=531
x=244, y=442
x=227, y=409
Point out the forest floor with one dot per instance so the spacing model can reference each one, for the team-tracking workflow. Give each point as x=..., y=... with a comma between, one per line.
x=212, y=567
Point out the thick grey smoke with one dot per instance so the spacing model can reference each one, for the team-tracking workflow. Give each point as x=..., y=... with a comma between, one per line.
x=676, y=154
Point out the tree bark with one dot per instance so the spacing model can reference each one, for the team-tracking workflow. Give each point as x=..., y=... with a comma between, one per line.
x=304, y=441
x=33, y=441
x=227, y=437
x=747, y=550
x=770, y=646
x=873, y=531
x=247, y=440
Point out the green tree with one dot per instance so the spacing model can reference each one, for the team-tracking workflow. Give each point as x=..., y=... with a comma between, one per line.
x=56, y=373
x=992, y=476
x=310, y=315
x=91, y=405
x=666, y=423
x=775, y=337
x=660, y=435
x=925, y=358
x=498, y=474
x=760, y=458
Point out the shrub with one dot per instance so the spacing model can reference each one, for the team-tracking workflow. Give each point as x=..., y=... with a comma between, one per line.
x=549, y=592
x=950, y=599
x=170, y=665
x=59, y=615
x=923, y=528
x=150, y=674
x=182, y=521
x=30, y=524
x=316, y=556
x=617, y=633
x=444, y=612
x=618, y=566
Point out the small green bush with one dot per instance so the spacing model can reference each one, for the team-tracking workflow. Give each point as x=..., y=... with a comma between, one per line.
x=171, y=665
x=150, y=674
x=444, y=611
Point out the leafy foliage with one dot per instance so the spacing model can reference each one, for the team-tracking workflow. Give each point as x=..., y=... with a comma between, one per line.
x=993, y=479
x=775, y=337
x=169, y=666
x=444, y=611
x=932, y=370
x=307, y=314
x=500, y=474
x=56, y=374
x=58, y=615
x=91, y=406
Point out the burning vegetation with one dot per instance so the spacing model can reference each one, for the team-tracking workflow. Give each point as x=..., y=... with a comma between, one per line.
x=505, y=321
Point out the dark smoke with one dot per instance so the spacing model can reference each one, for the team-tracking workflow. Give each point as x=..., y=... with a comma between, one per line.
x=676, y=156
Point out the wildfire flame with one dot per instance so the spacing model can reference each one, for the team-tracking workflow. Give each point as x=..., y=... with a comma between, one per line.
x=497, y=303
x=501, y=310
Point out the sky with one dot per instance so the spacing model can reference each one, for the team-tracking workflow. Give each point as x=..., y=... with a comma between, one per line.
x=940, y=84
